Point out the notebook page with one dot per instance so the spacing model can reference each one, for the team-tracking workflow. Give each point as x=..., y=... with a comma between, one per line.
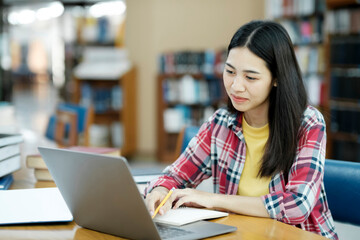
x=33, y=206
x=183, y=216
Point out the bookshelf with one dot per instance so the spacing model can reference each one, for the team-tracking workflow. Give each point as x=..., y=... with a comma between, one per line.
x=343, y=79
x=98, y=72
x=191, y=89
x=304, y=21
x=111, y=106
x=87, y=31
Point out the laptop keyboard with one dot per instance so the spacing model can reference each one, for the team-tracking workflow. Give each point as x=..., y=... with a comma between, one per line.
x=167, y=232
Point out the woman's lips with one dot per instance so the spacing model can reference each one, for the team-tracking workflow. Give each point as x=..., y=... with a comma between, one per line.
x=238, y=99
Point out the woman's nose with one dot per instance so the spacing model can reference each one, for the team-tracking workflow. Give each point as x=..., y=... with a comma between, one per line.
x=238, y=84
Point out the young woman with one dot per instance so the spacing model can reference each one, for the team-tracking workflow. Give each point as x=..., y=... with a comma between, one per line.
x=266, y=151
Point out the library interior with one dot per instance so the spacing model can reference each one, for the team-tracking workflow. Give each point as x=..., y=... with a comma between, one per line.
x=137, y=78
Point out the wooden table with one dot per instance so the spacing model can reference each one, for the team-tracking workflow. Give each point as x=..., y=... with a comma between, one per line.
x=249, y=228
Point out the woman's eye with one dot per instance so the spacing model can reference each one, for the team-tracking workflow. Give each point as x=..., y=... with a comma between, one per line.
x=250, y=78
x=229, y=71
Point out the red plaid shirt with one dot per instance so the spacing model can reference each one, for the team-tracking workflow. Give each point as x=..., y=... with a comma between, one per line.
x=219, y=150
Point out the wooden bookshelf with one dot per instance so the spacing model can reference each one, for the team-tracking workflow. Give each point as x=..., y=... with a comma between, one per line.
x=167, y=140
x=343, y=79
x=304, y=23
x=331, y=4
x=126, y=115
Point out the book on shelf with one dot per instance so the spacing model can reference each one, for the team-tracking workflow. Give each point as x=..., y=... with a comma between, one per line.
x=36, y=161
x=289, y=8
x=6, y=181
x=9, y=139
x=343, y=21
x=10, y=165
x=175, y=118
x=314, y=87
x=304, y=31
x=185, y=215
x=192, y=62
x=103, y=99
x=344, y=50
x=188, y=90
x=345, y=85
x=345, y=120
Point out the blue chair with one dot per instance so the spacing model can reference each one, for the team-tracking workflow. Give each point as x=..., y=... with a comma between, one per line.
x=342, y=186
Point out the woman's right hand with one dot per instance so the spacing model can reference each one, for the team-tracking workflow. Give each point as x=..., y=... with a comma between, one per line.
x=154, y=198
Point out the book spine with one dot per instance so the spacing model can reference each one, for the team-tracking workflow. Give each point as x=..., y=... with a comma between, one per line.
x=4, y=141
x=43, y=175
x=6, y=181
x=190, y=62
x=35, y=162
x=8, y=151
x=343, y=21
x=10, y=165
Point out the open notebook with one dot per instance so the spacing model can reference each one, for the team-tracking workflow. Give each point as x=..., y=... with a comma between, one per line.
x=38, y=205
x=182, y=216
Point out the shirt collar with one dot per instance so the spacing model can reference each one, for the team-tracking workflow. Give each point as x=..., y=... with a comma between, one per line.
x=235, y=124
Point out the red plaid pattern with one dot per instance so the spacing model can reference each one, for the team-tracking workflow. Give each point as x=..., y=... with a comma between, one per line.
x=219, y=150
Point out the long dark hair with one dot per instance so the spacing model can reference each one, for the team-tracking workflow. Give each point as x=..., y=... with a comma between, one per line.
x=270, y=41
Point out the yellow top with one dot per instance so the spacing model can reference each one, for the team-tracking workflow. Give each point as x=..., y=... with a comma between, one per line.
x=250, y=184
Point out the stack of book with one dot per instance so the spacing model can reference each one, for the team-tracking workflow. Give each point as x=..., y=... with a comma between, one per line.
x=10, y=160
x=41, y=172
x=209, y=62
x=104, y=99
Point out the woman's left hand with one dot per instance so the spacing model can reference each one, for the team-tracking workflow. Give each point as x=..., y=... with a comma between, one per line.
x=192, y=198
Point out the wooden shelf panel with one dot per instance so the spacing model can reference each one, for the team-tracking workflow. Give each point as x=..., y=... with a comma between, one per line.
x=340, y=3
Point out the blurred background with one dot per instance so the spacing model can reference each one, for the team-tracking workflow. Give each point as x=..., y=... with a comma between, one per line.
x=147, y=68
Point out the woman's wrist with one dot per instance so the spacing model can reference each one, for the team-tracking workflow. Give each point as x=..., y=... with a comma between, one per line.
x=215, y=201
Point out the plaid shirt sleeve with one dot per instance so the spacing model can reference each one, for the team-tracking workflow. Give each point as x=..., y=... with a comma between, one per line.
x=294, y=205
x=193, y=165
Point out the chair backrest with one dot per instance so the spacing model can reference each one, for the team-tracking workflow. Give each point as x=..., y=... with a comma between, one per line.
x=68, y=122
x=81, y=112
x=66, y=129
x=342, y=185
x=185, y=135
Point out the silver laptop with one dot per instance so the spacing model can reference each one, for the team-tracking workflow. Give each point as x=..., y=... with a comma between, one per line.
x=102, y=195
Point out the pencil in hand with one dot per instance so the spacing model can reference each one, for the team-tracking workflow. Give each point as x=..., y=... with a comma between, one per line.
x=163, y=202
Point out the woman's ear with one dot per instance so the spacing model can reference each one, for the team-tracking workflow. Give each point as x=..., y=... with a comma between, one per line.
x=275, y=82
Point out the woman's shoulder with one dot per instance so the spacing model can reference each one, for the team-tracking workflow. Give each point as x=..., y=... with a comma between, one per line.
x=312, y=116
x=222, y=112
x=223, y=116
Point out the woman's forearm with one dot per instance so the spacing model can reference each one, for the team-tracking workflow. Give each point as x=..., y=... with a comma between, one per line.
x=252, y=206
